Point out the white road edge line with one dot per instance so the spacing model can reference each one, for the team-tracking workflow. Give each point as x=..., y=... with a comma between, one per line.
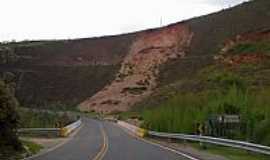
x=158, y=145
x=170, y=149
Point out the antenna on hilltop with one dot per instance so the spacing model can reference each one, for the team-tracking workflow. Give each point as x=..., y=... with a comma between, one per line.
x=161, y=21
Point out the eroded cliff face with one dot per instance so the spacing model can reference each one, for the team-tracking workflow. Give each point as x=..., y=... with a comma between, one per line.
x=137, y=76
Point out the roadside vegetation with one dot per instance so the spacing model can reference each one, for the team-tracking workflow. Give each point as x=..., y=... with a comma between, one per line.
x=31, y=118
x=9, y=120
x=31, y=148
x=13, y=117
x=182, y=112
x=230, y=153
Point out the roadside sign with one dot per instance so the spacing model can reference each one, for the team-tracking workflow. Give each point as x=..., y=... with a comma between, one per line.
x=231, y=119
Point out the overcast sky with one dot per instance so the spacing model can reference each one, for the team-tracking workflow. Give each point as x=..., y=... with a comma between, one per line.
x=61, y=19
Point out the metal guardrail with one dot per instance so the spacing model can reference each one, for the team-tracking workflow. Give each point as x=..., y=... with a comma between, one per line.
x=134, y=129
x=65, y=131
x=46, y=132
x=197, y=138
x=38, y=129
x=217, y=141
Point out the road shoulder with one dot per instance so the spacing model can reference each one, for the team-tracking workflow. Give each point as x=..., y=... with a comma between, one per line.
x=50, y=144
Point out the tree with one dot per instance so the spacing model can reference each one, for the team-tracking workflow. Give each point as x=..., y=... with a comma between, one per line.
x=8, y=121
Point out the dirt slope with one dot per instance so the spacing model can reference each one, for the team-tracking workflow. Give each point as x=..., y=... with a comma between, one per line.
x=137, y=75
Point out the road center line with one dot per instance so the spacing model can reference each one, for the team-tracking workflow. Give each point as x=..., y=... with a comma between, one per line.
x=105, y=145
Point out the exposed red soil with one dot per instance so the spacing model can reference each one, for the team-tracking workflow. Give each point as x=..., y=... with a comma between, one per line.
x=244, y=58
x=137, y=75
x=246, y=38
x=249, y=58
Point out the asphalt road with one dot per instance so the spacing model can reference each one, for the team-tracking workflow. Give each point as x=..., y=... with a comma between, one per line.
x=98, y=140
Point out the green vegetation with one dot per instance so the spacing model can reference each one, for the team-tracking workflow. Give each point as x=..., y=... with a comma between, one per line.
x=214, y=90
x=182, y=112
x=255, y=47
x=30, y=118
x=31, y=148
x=218, y=78
x=8, y=122
x=230, y=153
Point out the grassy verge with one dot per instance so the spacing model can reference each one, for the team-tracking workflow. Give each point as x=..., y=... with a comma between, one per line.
x=31, y=148
x=30, y=118
x=231, y=153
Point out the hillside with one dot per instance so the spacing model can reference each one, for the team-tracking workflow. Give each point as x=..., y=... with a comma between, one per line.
x=62, y=73
x=137, y=76
x=186, y=53
x=132, y=71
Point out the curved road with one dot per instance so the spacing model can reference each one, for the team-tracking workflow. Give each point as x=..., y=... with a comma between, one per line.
x=98, y=140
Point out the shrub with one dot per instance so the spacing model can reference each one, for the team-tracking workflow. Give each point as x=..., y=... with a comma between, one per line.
x=262, y=131
x=226, y=79
x=8, y=121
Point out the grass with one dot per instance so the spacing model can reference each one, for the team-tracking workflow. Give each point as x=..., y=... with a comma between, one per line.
x=231, y=153
x=255, y=47
x=31, y=147
x=183, y=112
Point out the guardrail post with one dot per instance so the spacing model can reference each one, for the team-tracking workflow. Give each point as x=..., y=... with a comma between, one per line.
x=63, y=132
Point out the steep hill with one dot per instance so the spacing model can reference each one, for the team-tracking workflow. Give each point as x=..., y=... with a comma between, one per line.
x=137, y=76
x=111, y=74
x=194, y=46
